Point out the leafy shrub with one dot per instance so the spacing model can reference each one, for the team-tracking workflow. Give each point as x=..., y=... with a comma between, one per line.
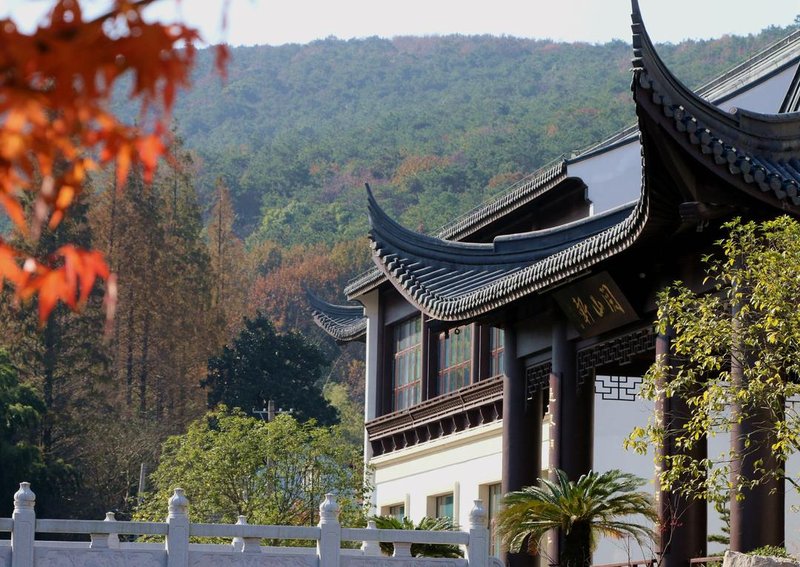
x=771, y=551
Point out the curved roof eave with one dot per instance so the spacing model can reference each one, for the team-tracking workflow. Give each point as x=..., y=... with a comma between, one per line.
x=442, y=283
x=521, y=193
x=345, y=323
x=452, y=281
x=760, y=151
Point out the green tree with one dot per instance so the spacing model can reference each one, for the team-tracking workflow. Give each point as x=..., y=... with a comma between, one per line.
x=351, y=414
x=272, y=472
x=747, y=322
x=263, y=365
x=21, y=410
x=582, y=510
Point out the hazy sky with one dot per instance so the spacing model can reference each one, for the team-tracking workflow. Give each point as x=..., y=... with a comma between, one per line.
x=277, y=22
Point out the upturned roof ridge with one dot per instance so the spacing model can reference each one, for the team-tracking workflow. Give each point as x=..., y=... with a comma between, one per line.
x=344, y=323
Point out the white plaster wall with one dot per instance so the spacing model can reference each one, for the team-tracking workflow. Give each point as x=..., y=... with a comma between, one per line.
x=460, y=463
x=613, y=422
x=371, y=303
x=613, y=178
x=793, y=507
x=766, y=97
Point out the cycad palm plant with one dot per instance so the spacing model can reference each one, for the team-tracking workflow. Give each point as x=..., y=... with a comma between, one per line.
x=420, y=549
x=593, y=506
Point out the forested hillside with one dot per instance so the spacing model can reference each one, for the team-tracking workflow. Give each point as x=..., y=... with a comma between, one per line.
x=437, y=124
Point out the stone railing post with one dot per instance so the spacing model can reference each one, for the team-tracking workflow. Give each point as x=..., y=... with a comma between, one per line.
x=371, y=548
x=478, y=547
x=102, y=541
x=401, y=549
x=24, y=529
x=178, y=530
x=105, y=541
x=249, y=544
x=238, y=542
x=330, y=538
x=113, y=539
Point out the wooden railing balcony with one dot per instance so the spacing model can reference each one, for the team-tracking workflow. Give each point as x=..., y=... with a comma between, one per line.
x=466, y=408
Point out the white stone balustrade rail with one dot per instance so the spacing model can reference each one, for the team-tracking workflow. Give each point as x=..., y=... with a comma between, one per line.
x=105, y=550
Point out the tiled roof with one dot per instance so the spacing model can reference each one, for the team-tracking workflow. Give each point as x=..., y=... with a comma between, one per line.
x=756, y=68
x=520, y=194
x=456, y=281
x=344, y=323
x=721, y=88
x=760, y=150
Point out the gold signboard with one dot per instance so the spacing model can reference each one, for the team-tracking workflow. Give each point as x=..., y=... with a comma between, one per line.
x=595, y=305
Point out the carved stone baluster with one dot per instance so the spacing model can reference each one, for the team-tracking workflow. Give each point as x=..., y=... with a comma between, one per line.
x=371, y=548
x=402, y=549
x=178, y=530
x=238, y=542
x=24, y=517
x=330, y=539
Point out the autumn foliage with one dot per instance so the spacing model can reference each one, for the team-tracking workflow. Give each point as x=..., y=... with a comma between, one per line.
x=55, y=127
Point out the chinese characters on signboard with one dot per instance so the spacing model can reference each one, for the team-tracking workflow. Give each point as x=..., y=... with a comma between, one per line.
x=595, y=305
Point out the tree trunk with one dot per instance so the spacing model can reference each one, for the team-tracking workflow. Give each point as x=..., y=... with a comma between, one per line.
x=576, y=550
x=129, y=358
x=48, y=370
x=143, y=370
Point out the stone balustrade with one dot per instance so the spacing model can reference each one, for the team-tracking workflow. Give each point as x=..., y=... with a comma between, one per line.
x=29, y=547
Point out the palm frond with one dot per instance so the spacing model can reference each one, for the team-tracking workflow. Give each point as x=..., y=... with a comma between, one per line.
x=596, y=499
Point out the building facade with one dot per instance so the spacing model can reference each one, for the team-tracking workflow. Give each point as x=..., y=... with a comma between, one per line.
x=514, y=341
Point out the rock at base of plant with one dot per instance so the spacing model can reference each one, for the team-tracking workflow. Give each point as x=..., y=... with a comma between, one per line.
x=736, y=559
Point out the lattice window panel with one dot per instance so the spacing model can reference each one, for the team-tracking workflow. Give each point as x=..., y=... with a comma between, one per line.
x=618, y=350
x=537, y=377
x=618, y=388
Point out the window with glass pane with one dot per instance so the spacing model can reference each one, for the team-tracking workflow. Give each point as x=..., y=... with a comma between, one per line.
x=495, y=495
x=407, y=369
x=397, y=511
x=444, y=506
x=496, y=359
x=455, y=359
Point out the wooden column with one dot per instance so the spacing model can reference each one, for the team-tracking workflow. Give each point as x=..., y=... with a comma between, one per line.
x=522, y=433
x=682, y=521
x=572, y=417
x=758, y=519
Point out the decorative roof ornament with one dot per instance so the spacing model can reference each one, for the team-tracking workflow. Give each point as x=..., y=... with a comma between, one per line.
x=345, y=323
